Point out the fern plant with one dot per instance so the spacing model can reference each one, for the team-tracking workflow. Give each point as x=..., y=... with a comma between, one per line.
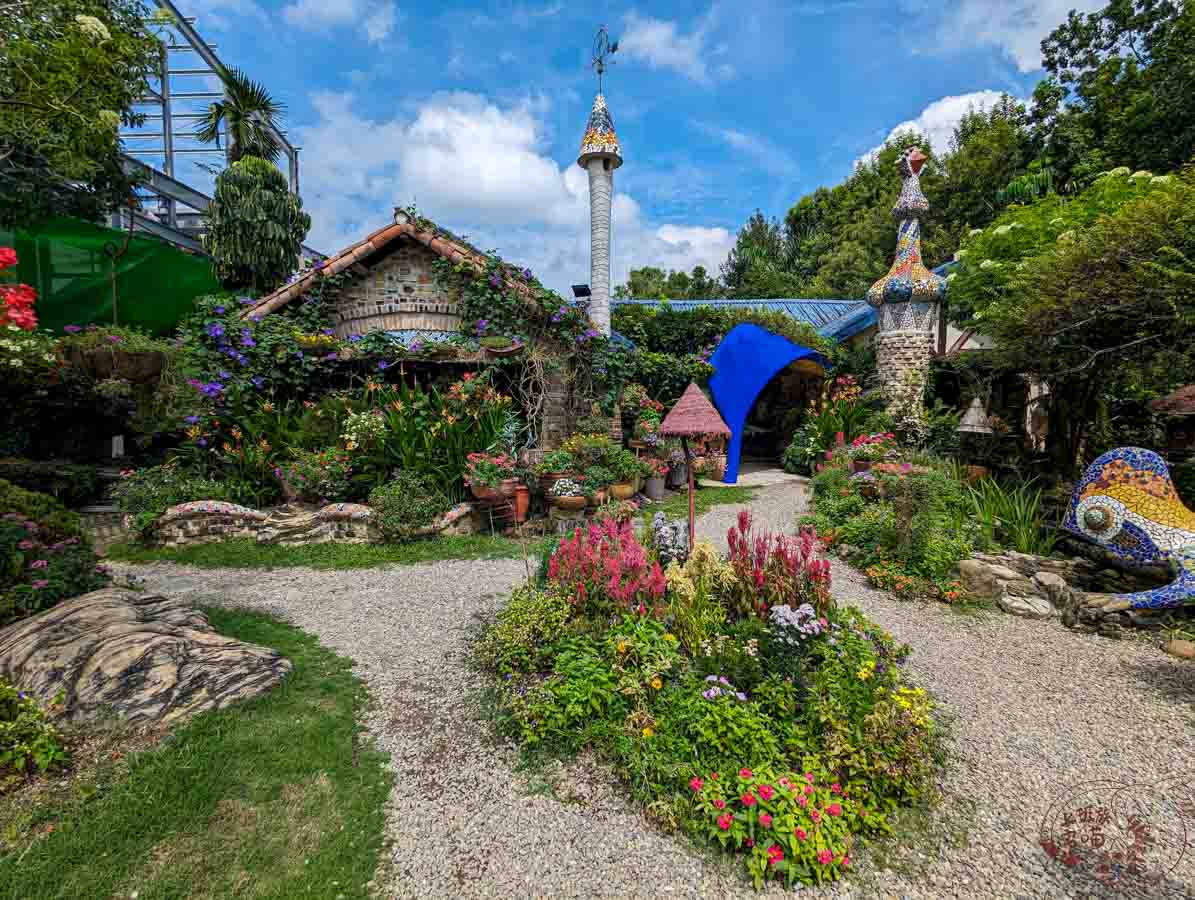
x=255, y=226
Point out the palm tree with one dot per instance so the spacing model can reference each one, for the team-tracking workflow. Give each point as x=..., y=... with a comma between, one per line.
x=251, y=116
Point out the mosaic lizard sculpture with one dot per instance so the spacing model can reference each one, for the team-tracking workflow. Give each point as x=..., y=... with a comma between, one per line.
x=1127, y=504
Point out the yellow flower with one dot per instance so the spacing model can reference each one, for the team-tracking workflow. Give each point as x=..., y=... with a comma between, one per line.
x=396, y=405
x=194, y=431
x=227, y=447
x=670, y=637
x=657, y=683
x=863, y=674
x=647, y=732
x=622, y=646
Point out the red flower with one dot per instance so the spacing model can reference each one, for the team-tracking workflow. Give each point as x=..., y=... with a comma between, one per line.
x=825, y=857
x=834, y=809
x=720, y=803
x=766, y=791
x=8, y=257
x=696, y=783
x=744, y=773
x=836, y=788
x=775, y=854
x=765, y=820
x=748, y=799
x=801, y=834
x=724, y=821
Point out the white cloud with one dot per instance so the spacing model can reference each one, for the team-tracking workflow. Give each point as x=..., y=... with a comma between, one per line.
x=660, y=44
x=771, y=158
x=375, y=20
x=1014, y=26
x=479, y=169
x=937, y=121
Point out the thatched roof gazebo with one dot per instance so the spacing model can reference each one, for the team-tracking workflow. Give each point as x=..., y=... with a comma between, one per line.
x=693, y=416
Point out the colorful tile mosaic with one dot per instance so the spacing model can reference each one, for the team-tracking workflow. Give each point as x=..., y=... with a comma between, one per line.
x=600, y=138
x=210, y=508
x=1127, y=504
x=908, y=283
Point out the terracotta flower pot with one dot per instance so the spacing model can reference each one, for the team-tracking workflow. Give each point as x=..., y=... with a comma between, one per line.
x=508, y=487
x=860, y=465
x=571, y=504
x=977, y=473
x=598, y=498
x=624, y=490
x=522, y=502
x=550, y=478
x=504, y=351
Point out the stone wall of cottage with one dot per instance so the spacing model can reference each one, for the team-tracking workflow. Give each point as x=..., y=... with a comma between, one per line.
x=399, y=293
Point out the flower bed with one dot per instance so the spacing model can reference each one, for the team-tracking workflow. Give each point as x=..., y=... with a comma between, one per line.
x=737, y=700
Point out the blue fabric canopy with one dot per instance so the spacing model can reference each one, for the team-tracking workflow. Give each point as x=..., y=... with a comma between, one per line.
x=744, y=362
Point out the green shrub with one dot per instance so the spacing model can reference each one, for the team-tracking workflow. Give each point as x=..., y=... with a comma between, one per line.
x=521, y=638
x=56, y=521
x=72, y=485
x=408, y=502
x=147, y=493
x=27, y=740
x=37, y=571
x=319, y=476
x=722, y=726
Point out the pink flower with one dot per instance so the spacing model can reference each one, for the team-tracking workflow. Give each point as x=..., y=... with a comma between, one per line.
x=714, y=775
x=834, y=809
x=825, y=857
x=744, y=773
x=802, y=801
x=40, y=583
x=784, y=783
x=808, y=789
x=845, y=861
x=720, y=803
x=765, y=820
x=696, y=783
x=38, y=564
x=766, y=792
x=836, y=788
x=25, y=544
x=809, y=777
x=750, y=842
x=775, y=854
x=801, y=834
x=815, y=815
x=748, y=799
x=724, y=821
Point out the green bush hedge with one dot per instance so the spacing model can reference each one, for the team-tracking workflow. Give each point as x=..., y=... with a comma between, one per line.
x=73, y=485
x=407, y=503
x=148, y=493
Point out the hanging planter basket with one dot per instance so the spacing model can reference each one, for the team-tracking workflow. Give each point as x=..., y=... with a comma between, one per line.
x=137, y=366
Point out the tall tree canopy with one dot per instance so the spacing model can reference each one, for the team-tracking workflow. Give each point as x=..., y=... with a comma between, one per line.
x=650, y=283
x=70, y=73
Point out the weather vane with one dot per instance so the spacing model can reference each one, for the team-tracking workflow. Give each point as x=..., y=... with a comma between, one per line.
x=602, y=51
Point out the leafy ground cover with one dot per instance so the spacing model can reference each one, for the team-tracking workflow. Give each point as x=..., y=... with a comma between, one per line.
x=278, y=797
x=738, y=702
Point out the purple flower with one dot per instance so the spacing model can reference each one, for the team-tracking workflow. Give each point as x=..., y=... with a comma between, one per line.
x=526, y=274
x=247, y=338
x=495, y=281
x=383, y=366
x=482, y=324
x=220, y=310
x=246, y=301
x=91, y=327
x=114, y=338
x=191, y=420
x=299, y=353
x=241, y=358
x=71, y=329
x=215, y=330
x=256, y=317
x=202, y=442
x=258, y=381
x=354, y=338
x=741, y=696
x=329, y=332
x=331, y=356
x=39, y=584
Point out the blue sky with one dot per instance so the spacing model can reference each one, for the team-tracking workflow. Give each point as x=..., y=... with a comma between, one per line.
x=475, y=111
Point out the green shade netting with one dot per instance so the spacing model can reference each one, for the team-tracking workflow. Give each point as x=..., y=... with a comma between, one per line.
x=64, y=261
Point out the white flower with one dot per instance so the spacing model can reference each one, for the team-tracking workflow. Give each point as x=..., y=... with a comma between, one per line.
x=1161, y=179
x=1003, y=229
x=987, y=264
x=48, y=357
x=975, y=232
x=1123, y=171
x=1141, y=173
x=93, y=27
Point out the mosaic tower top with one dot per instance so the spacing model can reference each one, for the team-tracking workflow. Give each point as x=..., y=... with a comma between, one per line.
x=600, y=139
x=909, y=281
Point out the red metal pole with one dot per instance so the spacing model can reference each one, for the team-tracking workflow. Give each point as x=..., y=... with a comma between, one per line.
x=684, y=442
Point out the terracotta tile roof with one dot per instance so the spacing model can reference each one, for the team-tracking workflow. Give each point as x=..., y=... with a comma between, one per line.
x=447, y=248
x=693, y=415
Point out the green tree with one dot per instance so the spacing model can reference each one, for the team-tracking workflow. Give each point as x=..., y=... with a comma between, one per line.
x=255, y=225
x=251, y=116
x=70, y=73
x=759, y=264
x=651, y=283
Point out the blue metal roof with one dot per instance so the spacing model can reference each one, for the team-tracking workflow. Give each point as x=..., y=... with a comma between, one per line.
x=816, y=312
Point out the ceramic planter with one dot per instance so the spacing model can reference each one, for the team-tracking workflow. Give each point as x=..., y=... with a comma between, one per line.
x=522, y=502
x=569, y=504
x=623, y=490
x=598, y=498
x=550, y=478
x=860, y=465
x=655, y=487
x=504, y=351
x=678, y=476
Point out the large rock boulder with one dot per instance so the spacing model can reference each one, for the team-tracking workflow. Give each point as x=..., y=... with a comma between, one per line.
x=144, y=657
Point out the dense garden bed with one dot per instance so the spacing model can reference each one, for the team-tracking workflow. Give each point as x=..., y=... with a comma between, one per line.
x=741, y=704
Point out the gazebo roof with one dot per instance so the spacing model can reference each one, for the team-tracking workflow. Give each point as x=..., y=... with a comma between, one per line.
x=693, y=415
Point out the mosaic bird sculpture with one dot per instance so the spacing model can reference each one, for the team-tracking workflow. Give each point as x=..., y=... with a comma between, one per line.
x=1127, y=504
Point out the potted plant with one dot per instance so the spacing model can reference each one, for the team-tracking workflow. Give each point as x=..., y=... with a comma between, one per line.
x=500, y=345
x=870, y=448
x=556, y=464
x=490, y=476
x=715, y=466
x=657, y=471
x=596, y=482
x=678, y=469
x=626, y=469
x=566, y=494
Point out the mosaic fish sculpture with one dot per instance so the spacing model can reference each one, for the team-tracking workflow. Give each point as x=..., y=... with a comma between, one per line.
x=1127, y=504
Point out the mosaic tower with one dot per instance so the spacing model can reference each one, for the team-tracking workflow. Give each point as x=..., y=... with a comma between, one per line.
x=908, y=299
x=600, y=156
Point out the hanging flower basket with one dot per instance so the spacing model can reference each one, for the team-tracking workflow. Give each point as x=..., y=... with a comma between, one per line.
x=137, y=366
x=501, y=346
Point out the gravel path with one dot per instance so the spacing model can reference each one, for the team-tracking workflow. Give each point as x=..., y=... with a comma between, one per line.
x=1034, y=708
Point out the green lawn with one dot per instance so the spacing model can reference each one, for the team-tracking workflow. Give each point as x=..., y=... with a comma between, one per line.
x=248, y=554
x=279, y=797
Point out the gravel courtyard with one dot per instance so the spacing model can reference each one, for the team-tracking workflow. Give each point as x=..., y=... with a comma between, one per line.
x=1032, y=710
